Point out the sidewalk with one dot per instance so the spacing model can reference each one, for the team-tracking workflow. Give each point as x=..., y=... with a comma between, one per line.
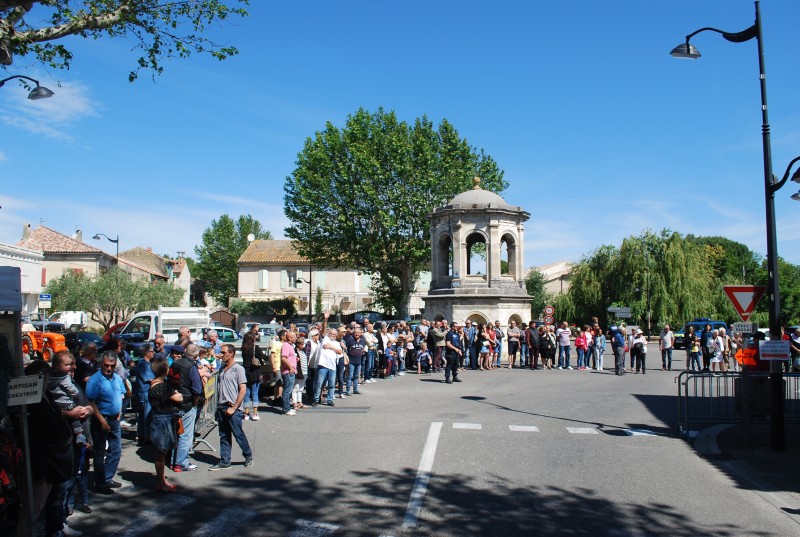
x=776, y=471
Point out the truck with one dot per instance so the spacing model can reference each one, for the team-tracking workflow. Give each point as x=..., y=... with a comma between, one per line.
x=144, y=325
x=72, y=320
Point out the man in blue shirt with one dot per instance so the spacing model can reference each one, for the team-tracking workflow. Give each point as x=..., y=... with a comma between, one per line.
x=471, y=343
x=105, y=391
x=144, y=375
x=453, y=353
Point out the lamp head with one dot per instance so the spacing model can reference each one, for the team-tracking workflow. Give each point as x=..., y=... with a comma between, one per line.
x=686, y=50
x=96, y=237
x=796, y=176
x=40, y=92
x=796, y=196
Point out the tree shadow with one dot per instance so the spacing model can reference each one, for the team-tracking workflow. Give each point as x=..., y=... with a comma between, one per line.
x=373, y=503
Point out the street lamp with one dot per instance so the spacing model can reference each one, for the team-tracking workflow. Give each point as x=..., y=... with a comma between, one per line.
x=115, y=241
x=308, y=281
x=39, y=92
x=686, y=50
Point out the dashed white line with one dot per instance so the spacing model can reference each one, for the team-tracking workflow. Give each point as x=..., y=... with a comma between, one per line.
x=423, y=476
x=475, y=426
x=148, y=519
x=309, y=528
x=224, y=522
x=523, y=428
x=582, y=430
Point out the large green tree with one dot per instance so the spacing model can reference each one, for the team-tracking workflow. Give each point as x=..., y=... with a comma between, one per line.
x=111, y=297
x=159, y=29
x=360, y=195
x=534, y=285
x=224, y=242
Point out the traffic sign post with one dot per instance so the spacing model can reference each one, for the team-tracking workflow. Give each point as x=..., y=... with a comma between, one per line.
x=744, y=298
x=45, y=301
x=774, y=350
x=549, y=310
x=745, y=328
x=548, y=319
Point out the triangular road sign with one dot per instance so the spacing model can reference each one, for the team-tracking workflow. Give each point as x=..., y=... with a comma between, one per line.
x=744, y=298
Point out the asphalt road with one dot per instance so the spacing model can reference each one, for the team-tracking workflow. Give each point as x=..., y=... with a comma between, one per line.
x=505, y=452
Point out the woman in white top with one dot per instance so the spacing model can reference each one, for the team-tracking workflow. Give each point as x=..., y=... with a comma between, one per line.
x=717, y=345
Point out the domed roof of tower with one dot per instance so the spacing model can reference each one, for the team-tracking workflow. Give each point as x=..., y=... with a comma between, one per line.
x=477, y=196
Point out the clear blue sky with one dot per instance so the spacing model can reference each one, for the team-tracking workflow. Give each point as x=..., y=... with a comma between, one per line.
x=601, y=133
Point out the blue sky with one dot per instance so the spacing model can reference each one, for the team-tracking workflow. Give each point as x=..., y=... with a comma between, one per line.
x=601, y=133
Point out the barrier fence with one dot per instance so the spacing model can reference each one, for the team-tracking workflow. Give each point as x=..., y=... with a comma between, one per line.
x=206, y=421
x=706, y=399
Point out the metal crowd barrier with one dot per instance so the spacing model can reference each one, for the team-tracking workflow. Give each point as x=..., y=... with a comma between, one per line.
x=206, y=420
x=706, y=399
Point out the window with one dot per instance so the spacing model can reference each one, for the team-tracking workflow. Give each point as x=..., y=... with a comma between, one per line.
x=289, y=278
x=263, y=279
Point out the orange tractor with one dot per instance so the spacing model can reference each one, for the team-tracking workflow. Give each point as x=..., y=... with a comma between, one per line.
x=43, y=345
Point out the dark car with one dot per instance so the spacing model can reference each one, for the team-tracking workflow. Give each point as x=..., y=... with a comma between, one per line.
x=76, y=340
x=50, y=326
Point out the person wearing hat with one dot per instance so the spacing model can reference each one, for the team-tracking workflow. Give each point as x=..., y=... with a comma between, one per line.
x=639, y=351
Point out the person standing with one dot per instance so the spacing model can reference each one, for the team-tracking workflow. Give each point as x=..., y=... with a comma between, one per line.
x=288, y=371
x=439, y=332
x=252, y=360
x=185, y=378
x=312, y=351
x=232, y=387
x=666, y=342
x=471, y=342
x=513, y=333
x=105, y=391
x=355, y=345
x=164, y=401
x=499, y=335
x=706, y=343
x=618, y=346
x=562, y=336
x=326, y=367
x=144, y=376
x=599, y=348
x=453, y=353
x=371, y=351
x=639, y=351
x=717, y=345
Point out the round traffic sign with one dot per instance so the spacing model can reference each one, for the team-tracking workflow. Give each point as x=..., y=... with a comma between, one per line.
x=549, y=319
x=549, y=310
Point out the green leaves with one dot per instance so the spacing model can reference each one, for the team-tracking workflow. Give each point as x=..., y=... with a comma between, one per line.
x=218, y=256
x=359, y=196
x=160, y=30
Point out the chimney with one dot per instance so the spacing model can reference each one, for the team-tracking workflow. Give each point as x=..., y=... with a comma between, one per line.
x=78, y=235
x=26, y=231
x=149, y=249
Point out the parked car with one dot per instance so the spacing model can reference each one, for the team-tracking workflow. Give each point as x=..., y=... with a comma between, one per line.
x=76, y=340
x=50, y=326
x=226, y=335
x=114, y=331
x=361, y=316
x=698, y=324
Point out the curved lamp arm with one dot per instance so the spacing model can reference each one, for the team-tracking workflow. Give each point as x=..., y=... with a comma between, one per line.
x=39, y=92
x=795, y=177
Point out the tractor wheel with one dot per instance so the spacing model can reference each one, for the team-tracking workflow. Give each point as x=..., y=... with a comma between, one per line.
x=47, y=354
x=27, y=347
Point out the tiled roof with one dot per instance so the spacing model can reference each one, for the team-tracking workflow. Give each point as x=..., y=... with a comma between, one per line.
x=47, y=240
x=271, y=251
x=150, y=262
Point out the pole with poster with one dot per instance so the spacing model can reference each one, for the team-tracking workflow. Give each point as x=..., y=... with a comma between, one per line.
x=11, y=365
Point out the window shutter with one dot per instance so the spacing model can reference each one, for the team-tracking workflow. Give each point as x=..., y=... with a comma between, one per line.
x=298, y=275
x=321, y=280
x=284, y=279
x=263, y=279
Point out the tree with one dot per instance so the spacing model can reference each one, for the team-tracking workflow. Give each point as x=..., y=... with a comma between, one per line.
x=160, y=30
x=534, y=284
x=318, y=309
x=217, y=264
x=359, y=196
x=110, y=297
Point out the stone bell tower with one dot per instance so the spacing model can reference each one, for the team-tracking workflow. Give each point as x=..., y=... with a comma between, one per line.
x=462, y=287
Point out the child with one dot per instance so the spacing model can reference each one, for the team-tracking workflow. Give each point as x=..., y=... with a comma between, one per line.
x=423, y=359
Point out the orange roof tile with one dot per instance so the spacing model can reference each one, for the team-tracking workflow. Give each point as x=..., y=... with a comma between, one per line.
x=271, y=251
x=46, y=240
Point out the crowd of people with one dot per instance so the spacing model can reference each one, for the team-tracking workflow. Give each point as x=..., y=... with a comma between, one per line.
x=79, y=422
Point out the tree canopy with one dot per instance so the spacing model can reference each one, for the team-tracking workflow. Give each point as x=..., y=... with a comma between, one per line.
x=360, y=195
x=111, y=297
x=224, y=242
x=679, y=277
x=160, y=30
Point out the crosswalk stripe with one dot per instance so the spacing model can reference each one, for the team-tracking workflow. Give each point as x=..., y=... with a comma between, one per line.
x=148, y=519
x=582, y=430
x=224, y=522
x=309, y=528
x=475, y=426
x=524, y=428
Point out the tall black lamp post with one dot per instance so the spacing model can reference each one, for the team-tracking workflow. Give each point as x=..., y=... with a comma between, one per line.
x=115, y=241
x=308, y=281
x=771, y=185
x=39, y=92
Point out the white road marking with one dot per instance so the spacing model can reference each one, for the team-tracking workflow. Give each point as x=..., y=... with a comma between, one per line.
x=309, y=528
x=640, y=432
x=476, y=426
x=582, y=430
x=423, y=476
x=144, y=522
x=225, y=522
x=524, y=428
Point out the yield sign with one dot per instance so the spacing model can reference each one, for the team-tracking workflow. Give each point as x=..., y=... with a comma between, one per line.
x=744, y=298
